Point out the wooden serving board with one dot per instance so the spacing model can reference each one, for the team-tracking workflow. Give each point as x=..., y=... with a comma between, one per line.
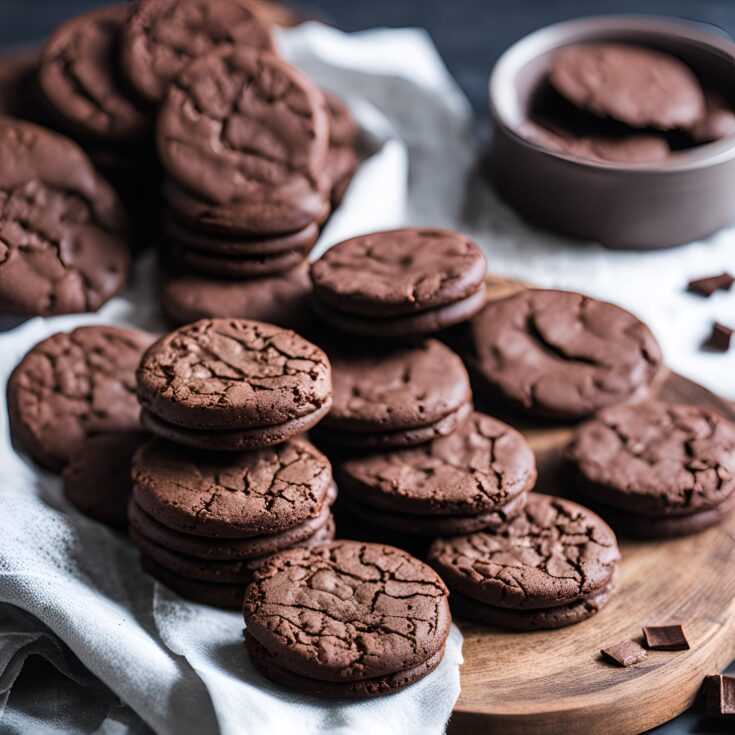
x=556, y=681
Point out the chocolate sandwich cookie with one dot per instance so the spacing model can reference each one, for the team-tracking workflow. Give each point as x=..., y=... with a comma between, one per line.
x=97, y=479
x=638, y=86
x=387, y=610
x=466, y=481
x=80, y=82
x=395, y=397
x=400, y=282
x=280, y=299
x=231, y=384
x=63, y=241
x=231, y=495
x=560, y=354
x=161, y=37
x=73, y=385
x=343, y=129
x=244, y=136
x=657, y=469
x=554, y=564
x=342, y=160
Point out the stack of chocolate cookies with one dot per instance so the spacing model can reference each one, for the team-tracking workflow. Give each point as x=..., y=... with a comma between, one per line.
x=227, y=481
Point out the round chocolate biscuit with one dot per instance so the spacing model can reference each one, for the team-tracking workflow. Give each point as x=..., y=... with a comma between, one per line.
x=347, y=611
x=279, y=299
x=560, y=354
x=63, y=240
x=229, y=571
x=383, y=389
x=246, y=133
x=656, y=458
x=343, y=129
x=233, y=374
x=79, y=80
x=480, y=467
x=250, y=547
x=638, y=86
x=97, y=479
x=342, y=163
x=232, y=495
x=554, y=553
x=266, y=664
x=73, y=385
x=162, y=37
x=398, y=272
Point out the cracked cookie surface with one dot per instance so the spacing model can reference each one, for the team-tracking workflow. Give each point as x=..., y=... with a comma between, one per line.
x=161, y=37
x=656, y=458
x=561, y=354
x=479, y=467
x=347, y=611
x=231, y=494
x=399, y=272
x=387, y=389
x=73, y=385
x=553, y=553
x=244, y=131
x=233, y=373
x=79, y=79
x=63, y=244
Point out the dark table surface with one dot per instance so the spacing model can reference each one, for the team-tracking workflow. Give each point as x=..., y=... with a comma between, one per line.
x=470, y=35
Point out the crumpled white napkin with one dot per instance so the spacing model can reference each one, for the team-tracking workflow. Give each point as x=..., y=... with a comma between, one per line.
x=73, y=591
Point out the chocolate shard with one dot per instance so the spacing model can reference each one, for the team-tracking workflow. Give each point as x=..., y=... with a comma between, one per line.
x=719, y=340
x=708, y=285
x=665, y=637
x=720, y=695
x=625, y=653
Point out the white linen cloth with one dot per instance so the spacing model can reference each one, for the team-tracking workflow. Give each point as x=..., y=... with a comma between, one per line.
x=72, y=591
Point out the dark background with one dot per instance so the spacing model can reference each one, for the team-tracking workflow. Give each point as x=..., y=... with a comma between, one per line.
x=470, y=35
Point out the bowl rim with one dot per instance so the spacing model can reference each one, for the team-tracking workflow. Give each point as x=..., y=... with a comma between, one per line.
x=501, y=93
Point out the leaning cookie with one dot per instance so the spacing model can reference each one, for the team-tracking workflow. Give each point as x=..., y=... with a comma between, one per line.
x=390, y=615
x=552, y=565
x=233, y=384
x=399, y=283
x=560, y=354
x=657, y=469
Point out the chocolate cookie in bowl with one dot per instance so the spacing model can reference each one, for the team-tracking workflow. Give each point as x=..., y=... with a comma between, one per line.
x=657, y=469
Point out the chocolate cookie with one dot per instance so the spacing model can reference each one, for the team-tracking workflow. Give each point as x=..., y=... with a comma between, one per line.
x=231, y=495
x=247, y=135
x=280, y=299
x=385, y=397
x=162, y=37
x=560, y=354
x=480, y=467
x=233, y=377
x=249, y=547
x=658, y=461
x=638, y=86
x=97, y=479
x=342, y=160
x=343, y=129
x=400, y=282
x=73, y=385
x=344, y=613
x=555, y=553
x=63, y=244
x=79, y=80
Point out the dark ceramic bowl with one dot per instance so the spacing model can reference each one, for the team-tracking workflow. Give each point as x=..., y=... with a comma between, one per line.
x=686, y=197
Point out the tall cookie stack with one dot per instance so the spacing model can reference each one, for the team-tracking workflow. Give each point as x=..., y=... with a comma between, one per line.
x=227, y=481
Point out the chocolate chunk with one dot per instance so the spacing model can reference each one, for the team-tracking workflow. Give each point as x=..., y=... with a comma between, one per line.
x=708, y=285
x=719, y=340
x=665, y=637
x=720, y=694
x=625, y=653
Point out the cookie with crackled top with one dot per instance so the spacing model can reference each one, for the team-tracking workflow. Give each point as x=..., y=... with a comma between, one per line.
x=347, y=619
x=657, y=469
x=233, y=384
x=556, y=558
